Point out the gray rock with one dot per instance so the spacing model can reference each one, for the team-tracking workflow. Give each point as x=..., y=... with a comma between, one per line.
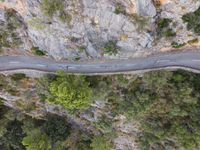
x=93, y=21
x=146, y=8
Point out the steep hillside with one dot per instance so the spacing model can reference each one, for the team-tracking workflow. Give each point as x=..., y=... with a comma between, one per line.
x=93, y=29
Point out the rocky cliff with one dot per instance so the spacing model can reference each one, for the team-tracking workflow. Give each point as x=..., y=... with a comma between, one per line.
x=85, y=29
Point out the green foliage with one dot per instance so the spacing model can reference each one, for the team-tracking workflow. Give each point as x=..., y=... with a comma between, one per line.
x=12, y=19
x=141, y=21
x=165, y=103
x=111, y=48
x=119, y=9
x=164, y=29
x=104, y=124
x=193, y=21
x=101, y=143
x=8, y=36
x=37, y=23
x=18, y=76
x=195, y=40
x=177, y=45
x=51, y=7
x=56, y=128
x=171, y=121
x=72, y=92
x=13, y=137
x=37, y=51
x=36, y=140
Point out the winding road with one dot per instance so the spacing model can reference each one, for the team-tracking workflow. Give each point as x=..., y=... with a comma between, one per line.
x=190, y=60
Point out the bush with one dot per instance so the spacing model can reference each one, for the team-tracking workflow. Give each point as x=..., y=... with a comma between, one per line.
x=193, y=21
x=72, y=92
x=51, y=7
x=111, y=48
x=177, y=45
x=37, y=51
x=56, y=128
x=101, y=143
x=119, y=9
x=195, y=40
x=18, y=76
x=163, y=28
x=8, y=36
x=13, y=137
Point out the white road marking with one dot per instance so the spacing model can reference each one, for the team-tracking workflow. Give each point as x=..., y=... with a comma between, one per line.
x=198, y=60
x=14, y=62
x=163, y=60
x=40, y=65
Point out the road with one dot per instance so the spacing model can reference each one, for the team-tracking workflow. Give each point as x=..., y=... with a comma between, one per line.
x=181, y=59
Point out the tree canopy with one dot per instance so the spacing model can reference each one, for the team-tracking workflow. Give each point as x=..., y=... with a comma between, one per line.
x=72, y=92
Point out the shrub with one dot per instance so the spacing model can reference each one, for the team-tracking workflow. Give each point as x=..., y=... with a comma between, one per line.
x=72, y=92
x=111, y=48
x=36, y=140
x=51, y=7
x=37, y=51
x=101, y=143
x=8, y=36
x=193, y=21
x=119, y=9
x=195, y=40
x=163, y=28
x=13, y=137
x=18, y=76
x=177, y=45
x=56, y=128
x=141, y=21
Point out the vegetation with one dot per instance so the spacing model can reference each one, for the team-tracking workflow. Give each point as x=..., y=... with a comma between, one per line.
x=8, y=35
x=119, y=9
x=177, y=45
x=195, y=40
x=51, y=7
x=141, y=21
x=38, y=52
x=72, y=92
x=193, y=21
x=56, y=128
x=163, y=28
x=165, y=104
x=18, y=76
x=101, y=143
x=20, y=132
x=111, y=48
x=37, y=23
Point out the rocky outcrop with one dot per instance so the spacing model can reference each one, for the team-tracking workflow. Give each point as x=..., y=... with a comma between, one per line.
x=84, y=27
x=93, y=23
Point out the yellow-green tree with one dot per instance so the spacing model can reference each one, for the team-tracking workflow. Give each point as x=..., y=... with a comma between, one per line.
x=72, y=92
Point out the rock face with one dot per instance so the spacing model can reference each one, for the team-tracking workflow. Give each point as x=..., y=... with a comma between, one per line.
x=146, y=8
x=93, y=23
x=86, y=26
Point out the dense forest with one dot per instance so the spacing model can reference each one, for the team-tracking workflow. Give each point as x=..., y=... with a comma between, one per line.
x=165, y=106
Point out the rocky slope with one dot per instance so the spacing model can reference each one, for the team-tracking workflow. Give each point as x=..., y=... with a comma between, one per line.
x=83, y=29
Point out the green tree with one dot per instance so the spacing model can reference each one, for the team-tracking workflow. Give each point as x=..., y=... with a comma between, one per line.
x=56, y=128
x=36, y=140
x=72, y=92
x=13, y=137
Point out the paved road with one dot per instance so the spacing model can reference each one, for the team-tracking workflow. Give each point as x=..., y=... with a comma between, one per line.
x=182, y=59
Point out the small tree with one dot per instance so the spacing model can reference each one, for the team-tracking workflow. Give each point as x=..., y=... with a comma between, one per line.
x=36, y=140
x=72, y=92
x=56, y=128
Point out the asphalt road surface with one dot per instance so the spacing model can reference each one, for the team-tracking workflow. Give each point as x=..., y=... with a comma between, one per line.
x=181, y=59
